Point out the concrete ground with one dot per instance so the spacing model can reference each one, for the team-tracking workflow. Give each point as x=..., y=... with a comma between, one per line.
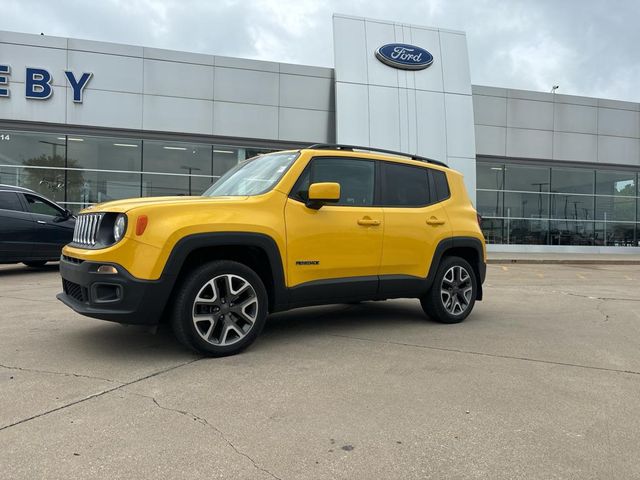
x=541, y=381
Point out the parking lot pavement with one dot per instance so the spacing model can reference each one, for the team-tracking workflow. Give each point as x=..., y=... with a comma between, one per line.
x=541, y=381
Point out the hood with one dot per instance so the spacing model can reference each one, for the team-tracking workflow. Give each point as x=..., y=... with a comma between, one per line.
x=125, y=205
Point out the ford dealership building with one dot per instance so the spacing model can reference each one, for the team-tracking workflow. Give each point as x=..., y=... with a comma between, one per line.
x=85, y=122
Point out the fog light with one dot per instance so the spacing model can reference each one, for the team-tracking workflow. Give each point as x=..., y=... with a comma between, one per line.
x=107, y=269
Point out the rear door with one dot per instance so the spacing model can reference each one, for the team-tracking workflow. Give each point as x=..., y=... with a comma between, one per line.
x=17, y=228
x=54, y=229
x=415, y=220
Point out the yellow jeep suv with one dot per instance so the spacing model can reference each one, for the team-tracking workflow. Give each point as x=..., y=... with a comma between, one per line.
x=320, y=225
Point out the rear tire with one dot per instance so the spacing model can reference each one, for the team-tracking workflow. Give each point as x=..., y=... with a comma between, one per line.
x=453, y=293
x=35, y=263
x=220, y=308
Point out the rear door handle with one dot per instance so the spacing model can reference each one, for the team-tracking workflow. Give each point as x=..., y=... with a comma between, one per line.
x=369, y=222
x=434, y=221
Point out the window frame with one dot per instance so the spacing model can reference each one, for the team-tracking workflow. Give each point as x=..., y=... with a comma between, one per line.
x=21, y=202
x=60, y=210
x=293, y=194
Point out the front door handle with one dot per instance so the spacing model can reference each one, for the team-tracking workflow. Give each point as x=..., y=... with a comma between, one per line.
x=369, y=222
x=434, y=221
x=40, y=221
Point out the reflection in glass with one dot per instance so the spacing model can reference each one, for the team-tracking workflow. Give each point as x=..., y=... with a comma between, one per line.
x=105, y=153
x=566, y=232
x=527, y=179
x=614, y=234
x=612, y=182
x=492, y=230
x=527, y=205
x=616, y=208
x=574, y=207
x=89, y=187
x=164, y=185
x=176, y=157
x=490, y=176
x=489, y=204
x=572, y=180
x=530, y=232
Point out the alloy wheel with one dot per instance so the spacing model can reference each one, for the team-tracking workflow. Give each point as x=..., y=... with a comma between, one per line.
x=456, y=290
x=225, y=309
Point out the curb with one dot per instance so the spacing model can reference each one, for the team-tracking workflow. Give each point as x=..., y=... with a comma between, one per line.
x=533, y=261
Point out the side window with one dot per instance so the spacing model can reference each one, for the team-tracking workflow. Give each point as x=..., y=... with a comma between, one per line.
x=10, y=201
x=442, y=187
x=356, y=178
x=37, y=205
x=404, y=185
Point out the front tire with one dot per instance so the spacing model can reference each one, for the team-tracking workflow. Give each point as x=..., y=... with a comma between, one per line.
x=453, y=293
x=220, y=308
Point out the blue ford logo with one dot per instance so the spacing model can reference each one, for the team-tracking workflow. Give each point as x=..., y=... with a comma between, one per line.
x=406, y=57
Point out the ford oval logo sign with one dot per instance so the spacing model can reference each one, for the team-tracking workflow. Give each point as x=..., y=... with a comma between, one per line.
x=406, y=57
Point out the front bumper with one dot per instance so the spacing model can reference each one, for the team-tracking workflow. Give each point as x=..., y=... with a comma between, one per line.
x=116, y=297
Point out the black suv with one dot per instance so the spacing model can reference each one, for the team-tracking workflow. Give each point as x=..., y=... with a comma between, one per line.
x=33, y=229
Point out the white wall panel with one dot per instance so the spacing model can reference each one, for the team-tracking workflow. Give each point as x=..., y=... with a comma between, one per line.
x=352, y=114
x=489, y=110
x=378, y=34
x=245, y=86
x=491, y=140
x=431, y=125
x=623, y=123
x=174, y=114
x=576, y=147
x=110, y=72
x=431, y=77
x=575, y=118
x=301, y=125
x=349, y=50
x=106, y=109
x=18, y=107
x=460, y=131
x=244, y=120
x=299, y=91
x=620, y=150
x=19, y=57
x=178, y=79
x=529, y=143
x=529, y=114
x=455, y=63
x=384, y=117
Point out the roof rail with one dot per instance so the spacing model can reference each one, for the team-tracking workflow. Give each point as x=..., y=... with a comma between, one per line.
x=338, y=146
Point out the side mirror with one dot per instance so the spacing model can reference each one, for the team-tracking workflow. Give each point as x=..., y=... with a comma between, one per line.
x=321, y=193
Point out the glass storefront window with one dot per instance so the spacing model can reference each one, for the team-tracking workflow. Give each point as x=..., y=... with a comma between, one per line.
x=490, y=176
x=85, y=188
x=32, y=149
x=572, y=180
x=565, y=232
x=529, y=232
x=489, y=204
x=618, y=183
x=526, y=205
x=104, y=153
x=492, y=230
x=616, y=208
x=614, y=234
x=573, y=207
x=175, y=157
x=527, y=179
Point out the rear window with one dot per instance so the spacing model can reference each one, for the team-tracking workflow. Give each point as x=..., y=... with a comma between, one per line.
x=441, y=185
x=10, y=201
x=404, y=185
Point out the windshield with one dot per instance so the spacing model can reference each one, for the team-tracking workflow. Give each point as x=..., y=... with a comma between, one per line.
x=254, y=176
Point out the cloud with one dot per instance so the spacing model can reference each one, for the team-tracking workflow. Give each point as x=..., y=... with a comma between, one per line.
x=586, y=47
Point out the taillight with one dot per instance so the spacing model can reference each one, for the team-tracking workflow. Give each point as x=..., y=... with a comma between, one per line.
x=479, y=217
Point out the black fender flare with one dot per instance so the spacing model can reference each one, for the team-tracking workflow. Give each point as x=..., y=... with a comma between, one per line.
x=267, y=244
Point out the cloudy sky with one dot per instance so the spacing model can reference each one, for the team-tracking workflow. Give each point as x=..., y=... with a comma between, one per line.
x=588, y=47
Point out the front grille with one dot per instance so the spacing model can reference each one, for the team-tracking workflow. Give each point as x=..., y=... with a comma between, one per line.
x=86, y=230
x=69, y=259
x=75, y=291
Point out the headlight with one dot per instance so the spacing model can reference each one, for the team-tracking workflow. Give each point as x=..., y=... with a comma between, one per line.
x=119, y=227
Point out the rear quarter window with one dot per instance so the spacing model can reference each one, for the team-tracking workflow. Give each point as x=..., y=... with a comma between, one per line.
x=441, y=185
x=10, y=201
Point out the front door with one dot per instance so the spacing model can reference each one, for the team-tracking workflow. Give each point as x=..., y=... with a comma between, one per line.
x=16, y=229
x=54, y=229
x=339, y=246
